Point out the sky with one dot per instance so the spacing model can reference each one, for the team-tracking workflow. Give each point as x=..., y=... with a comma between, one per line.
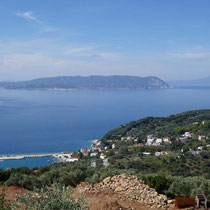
x=169, y=39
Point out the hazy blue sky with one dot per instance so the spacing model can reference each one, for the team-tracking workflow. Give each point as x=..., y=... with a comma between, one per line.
x=165, y=38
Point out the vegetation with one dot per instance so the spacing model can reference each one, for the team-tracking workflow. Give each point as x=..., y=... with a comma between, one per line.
x=179, y=173
x=57, y=198
x=162, y=126
x=74, y=173
x=3, y=204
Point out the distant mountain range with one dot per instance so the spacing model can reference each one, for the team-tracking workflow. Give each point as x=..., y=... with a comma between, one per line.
x=196, y=83
x=90, y=82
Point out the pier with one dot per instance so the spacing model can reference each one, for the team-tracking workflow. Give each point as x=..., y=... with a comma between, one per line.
x=18, y=157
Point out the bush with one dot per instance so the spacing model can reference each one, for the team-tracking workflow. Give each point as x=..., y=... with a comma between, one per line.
x=159, y=183
x=58, y=198
x=182, y=187
x=184, y=202
x=3, y=204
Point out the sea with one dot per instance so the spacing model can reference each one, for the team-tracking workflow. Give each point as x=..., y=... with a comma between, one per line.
x=43, y=121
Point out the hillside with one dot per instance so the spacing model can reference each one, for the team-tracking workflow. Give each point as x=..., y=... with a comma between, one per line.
x=161, y=126
x=176, y=145
x=90, y=82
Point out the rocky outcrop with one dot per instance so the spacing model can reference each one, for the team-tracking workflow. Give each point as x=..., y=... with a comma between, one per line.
x=131, y=188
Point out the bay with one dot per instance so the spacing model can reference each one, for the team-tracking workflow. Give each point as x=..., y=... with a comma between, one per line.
x=41, y=121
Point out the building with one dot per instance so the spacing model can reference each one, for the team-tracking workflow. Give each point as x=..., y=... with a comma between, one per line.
x=162, y=153
x=158, y=153
x=200, y=148
x=188, y=135
x=167, y=139
x=102, y=156
x=146, y=153
x=150, y=136
x=93, y=154
x=200, y=138
x=194, y=152
x=93, y=164
x=113, y=146
x=184, y=139
x=106, y=162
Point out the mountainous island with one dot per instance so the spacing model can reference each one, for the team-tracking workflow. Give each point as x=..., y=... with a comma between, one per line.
x=90, y=82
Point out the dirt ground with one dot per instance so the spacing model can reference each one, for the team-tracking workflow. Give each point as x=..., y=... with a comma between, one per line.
x=11, y=192
x=106, y=200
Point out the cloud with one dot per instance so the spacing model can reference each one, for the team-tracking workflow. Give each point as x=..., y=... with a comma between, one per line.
x=192, y=55
x=30, y=17
x=23, y=66
x=78, y=50
x=93, y=53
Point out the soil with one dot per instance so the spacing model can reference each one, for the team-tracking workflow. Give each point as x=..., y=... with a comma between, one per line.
x=107, y=200
x=11, y=192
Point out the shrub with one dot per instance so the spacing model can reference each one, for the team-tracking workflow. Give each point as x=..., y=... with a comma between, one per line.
x=184, y=202
x=3, y=204
x=58, y=198
x=159, y=183
x=183, y=187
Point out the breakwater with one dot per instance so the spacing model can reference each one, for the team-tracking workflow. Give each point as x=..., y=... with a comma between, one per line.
x=23, y=156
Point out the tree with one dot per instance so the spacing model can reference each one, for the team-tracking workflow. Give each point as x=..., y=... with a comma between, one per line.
x=180, y=130
x=159, y=183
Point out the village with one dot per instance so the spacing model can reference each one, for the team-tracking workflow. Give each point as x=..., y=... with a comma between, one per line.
x=99, y=150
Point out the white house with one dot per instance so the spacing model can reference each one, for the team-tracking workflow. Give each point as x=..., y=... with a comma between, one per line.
x=102, y=156
x=149, y=142
x=159, y=141
x=93, y=154
x=113, y=146
x=106, y=162
x=188, y=134
x=146, y=153
x=167, y=139
x=71, y=159
x=158, y=153
x=93, y=164
x=200, y=148
x=161, y=153
x=184, y=139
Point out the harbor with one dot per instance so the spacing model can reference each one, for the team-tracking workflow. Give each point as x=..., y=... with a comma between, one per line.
x=63, y=156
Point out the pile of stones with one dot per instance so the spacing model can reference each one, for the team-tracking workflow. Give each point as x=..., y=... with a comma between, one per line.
x=131, y=188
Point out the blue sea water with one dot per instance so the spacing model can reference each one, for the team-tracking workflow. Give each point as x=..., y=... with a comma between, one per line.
x=55, y=121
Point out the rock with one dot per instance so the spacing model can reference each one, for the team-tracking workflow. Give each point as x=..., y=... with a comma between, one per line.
x=170, y=201
x=107, y=180
x=130, y=188
x=119, y=189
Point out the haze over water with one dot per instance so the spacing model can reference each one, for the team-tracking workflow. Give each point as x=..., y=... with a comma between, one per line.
x=55, y=121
